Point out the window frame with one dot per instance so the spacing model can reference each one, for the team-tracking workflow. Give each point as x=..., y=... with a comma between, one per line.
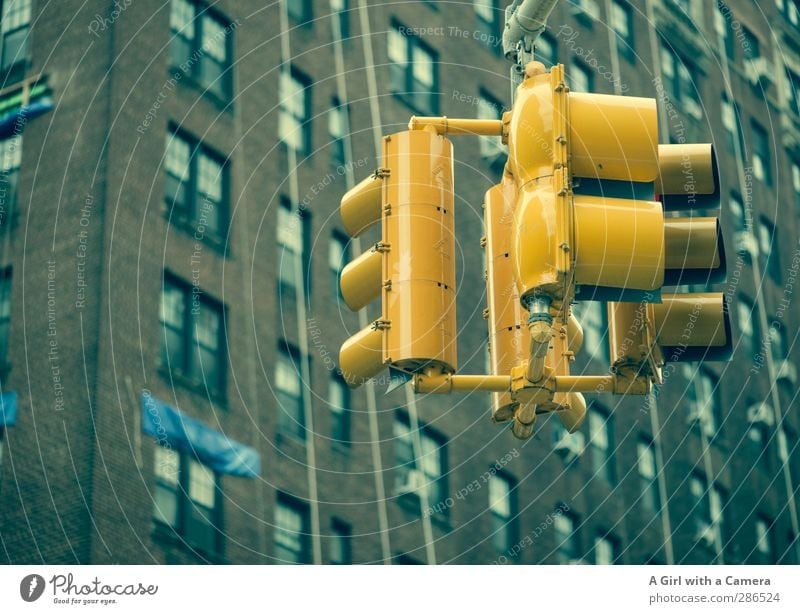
x=342, y=532
x=20, y=61
x=189, y=215
x=304, y=122
x=768, y=246
x=436, y=485
x=305, y=16
x=504, y=528
x=626, y=47
x=295, y=506
x=407, y=92
x=651, y=489
x=565, y=555
x=341, y=419
x=338, y=141
x=603, y=457
x=761, y=154
x=288, y=425
x=187, y=332
x=6, y=286
x=196, y=49
x=184, y=526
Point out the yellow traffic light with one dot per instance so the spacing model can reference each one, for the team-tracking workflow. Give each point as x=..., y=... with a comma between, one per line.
x=567, y=241
x=509, y=343
x=412, y=267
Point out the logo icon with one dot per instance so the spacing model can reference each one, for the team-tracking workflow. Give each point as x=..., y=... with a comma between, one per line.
x=31, y=587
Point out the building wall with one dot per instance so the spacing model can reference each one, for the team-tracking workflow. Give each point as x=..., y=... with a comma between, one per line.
x=77, y=484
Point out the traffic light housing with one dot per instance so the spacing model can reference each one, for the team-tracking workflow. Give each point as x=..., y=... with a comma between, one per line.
x=508, y=331
x=411, y=268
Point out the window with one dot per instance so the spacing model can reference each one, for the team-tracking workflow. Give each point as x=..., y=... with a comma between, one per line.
x=341, y=535
x=299, y=10
x=706, y=512
x=646, y=453
x=764, y=539
x=762, y=165
x=428, y=470
x=291, y=230
x=10, y=160
x=294, y=115
x=580, y=78
x=503, y=510
x=340, y=10
x=750, y=45
x=339, y=402
x=193, y=338
x=490, y=18
x=701, y=399
x=793, y=91
x=723, y=29
x=606, y=549
x=679, y=82
x=201, y=46
x=337, y=129
x=737, y=212
x=337, y=256
x=622, y=22
x=291, y=530
x=14, y=28
x=729, y=122
x=601, y=441
x=759, y=436
x=791, y=10
x=490, y=108
x=590, y=315
x=768, y=246
x=5, y=313
x=196, y=186
x=566, y=537
x=413, y=70
x=796, y=185
x=289, y=393
x=747, y=316
x=777, y=342
x=186, y=499
x=546, y=50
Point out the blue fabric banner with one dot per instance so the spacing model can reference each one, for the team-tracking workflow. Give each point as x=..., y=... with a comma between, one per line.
x=188, y=435
x=8, y=409
x=10, y=121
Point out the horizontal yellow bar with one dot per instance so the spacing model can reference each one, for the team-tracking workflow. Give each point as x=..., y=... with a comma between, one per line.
x=445, y=383
x=454, y=127
x=585, y=383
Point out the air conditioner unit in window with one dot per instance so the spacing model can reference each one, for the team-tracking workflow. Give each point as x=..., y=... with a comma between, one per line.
x=589, y=8
x=760, y=414
x=412, y=484
x=758, y=69
x=745, y=243
x=707, y=535
x=569, y=447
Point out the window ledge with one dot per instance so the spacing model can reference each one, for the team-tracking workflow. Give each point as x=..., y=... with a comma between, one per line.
x=411, y=503
x=176, y=376
x=181, y=76
x=167, y=535
x=213, y=240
